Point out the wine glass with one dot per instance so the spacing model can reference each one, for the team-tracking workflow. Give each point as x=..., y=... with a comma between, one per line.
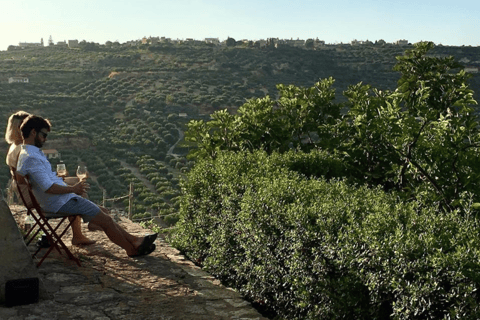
x=61, y=170
x=82, y=172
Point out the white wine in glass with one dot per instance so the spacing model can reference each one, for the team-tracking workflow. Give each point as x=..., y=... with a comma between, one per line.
x=82, y=173
x=61, y=170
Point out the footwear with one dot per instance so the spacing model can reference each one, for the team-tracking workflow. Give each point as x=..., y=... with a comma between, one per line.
x=144, y=252
x=146, y=244
x=43, y=242
x=148, y=240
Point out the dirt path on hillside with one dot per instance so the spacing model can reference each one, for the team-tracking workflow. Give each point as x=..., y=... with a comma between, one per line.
x=136, y=172
x=180, y=138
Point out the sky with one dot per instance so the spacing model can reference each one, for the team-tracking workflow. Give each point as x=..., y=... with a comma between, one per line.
x=454, y=23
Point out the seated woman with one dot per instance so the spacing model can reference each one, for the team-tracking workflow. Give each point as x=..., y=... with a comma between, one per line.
x=13, y=137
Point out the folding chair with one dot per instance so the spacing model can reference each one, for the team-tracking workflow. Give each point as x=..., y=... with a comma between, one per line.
x=54, y=234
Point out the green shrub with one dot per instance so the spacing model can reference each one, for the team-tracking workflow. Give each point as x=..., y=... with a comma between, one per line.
x=312, y=248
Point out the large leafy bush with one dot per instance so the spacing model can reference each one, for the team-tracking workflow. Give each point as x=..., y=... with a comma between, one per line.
x=317, y=249
x=422, y=139
x=371, y=218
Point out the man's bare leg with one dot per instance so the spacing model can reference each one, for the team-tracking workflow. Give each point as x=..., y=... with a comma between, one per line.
x=78, y=237
x=117, y=234
x=95, y=227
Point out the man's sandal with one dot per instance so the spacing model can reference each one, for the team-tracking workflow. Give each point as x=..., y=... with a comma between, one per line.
x=149, y=239
x=146, y=245
x=144, y=252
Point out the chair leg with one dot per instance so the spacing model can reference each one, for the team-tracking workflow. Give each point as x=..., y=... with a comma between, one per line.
x=56, y=242
x=29, y=232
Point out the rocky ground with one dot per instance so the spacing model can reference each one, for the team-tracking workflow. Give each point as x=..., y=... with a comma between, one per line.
x=110, y=285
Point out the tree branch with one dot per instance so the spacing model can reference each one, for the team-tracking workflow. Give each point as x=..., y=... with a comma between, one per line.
x=409, y=153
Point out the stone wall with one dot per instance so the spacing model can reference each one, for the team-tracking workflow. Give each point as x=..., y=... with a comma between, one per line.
x=15, y=259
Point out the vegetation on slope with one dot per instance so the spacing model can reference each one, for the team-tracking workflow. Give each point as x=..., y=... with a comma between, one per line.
x=119, y=103
x=368, y=213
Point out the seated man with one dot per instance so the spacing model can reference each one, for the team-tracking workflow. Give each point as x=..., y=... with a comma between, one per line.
x=13, y=136
x=55, y=196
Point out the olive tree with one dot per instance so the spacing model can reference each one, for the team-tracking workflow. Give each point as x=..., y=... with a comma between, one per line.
x=422, y=137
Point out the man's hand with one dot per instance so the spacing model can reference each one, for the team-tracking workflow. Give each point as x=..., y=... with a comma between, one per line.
x=81, y=187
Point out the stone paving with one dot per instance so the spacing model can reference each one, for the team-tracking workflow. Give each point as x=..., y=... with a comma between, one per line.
x=110, y=285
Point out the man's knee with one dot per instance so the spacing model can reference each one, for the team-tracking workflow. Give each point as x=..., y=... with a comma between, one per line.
x=102, y=219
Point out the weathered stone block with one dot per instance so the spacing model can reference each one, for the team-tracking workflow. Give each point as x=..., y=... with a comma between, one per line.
x=15, y=259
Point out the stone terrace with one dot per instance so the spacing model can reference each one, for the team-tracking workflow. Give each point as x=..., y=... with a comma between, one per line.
x=110, y=285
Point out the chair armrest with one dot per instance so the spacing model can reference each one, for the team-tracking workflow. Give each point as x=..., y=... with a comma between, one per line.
x=20, y=179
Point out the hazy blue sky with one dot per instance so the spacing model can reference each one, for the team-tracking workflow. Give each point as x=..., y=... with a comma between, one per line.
x=440, y=21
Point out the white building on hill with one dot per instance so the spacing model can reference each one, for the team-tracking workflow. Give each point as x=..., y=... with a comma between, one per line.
x=18, y=80
x=30, y=44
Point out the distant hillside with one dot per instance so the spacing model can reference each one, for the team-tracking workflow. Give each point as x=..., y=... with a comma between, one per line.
x=212, y=77
x=130, y=104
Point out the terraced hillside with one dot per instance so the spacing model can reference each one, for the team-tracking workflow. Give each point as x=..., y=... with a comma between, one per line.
x=122, y=109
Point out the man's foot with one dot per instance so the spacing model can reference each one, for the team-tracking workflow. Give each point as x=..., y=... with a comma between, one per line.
x=149, y=239
x=84, y=241
x=145, y=246
x=144, y=251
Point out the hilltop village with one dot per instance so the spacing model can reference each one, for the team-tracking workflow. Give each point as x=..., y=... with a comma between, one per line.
x=229, y=42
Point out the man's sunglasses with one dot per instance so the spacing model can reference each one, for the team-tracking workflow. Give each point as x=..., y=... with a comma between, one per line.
x=43, y=134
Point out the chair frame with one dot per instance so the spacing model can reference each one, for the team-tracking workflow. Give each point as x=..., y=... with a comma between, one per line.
x=54, y=234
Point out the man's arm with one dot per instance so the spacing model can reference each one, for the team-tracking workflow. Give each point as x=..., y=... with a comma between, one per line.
x=78, y=188
x=34, y=168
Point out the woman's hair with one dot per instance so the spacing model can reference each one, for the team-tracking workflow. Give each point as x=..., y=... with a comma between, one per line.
x=13, y=134
x=34, y=122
